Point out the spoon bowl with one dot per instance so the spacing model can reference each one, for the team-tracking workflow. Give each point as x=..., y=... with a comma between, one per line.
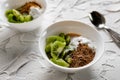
x=98, y=20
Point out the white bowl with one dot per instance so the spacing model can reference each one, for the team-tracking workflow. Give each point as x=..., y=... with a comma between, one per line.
x=74, y=27
x=26, y=26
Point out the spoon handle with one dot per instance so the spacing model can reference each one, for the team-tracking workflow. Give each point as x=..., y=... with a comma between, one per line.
x=115, y=36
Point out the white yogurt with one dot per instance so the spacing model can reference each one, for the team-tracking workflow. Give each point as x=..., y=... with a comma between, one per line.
x=76, y=40
x=35, y=12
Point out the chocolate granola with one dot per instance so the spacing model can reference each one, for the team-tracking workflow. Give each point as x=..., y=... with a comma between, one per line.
x=82, y=55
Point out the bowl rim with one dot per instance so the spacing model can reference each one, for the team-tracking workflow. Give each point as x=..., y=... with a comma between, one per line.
x=67, y=68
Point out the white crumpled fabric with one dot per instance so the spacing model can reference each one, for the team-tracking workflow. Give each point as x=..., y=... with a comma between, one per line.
x=20, y=58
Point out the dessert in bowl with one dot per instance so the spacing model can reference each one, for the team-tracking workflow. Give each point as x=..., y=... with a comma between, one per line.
x=25, y=15
x=71, y=46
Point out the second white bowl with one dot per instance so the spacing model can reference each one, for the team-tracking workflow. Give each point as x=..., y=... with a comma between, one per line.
x=26, y=26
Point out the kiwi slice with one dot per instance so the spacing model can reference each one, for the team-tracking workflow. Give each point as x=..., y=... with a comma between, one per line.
x=27, y=18
x=67, y=39
x=56, y=48
x=52, y=39
x=60, y=62
x=67, y=51
x=21, y=18
x=62, y=35
x=68, y=59
x=15, y=12
x=11, y=18
x=8, y=12
x=48, y=48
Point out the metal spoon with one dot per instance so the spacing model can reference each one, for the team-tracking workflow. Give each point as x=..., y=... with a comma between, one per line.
x=99, y=21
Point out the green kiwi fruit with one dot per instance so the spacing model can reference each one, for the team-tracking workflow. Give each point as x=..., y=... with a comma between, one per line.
x=14, y=16
x=68, y=59
x=52, y=39
x=48, y=48
x=67, y=38
x=27, y=18
x=15, y=12
x=11, y=18
x=56, y=48
x=21, y=18
x=60, y=62
x=8, y=12
x=62, y=35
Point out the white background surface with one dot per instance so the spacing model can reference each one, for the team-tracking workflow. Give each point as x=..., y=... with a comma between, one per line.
x=20, y=58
